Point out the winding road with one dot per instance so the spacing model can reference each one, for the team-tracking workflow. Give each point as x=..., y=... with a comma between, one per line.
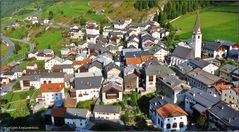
x=10, y=45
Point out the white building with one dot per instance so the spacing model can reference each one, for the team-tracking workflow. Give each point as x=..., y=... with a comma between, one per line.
x=50, y=93
x=87, y=86
x=30, y=81
x=166, y=115
x=76, y=33
x=55, y=61
x=107, y=112
x=52, y=77
x=197, y=39
x=111, y=93
x=231, y=97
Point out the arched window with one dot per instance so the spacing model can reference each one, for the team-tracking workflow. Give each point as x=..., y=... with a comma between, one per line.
x=44, y=82
x=181, y=124
x=168, y=126
x=174, y=125
x=49, y=81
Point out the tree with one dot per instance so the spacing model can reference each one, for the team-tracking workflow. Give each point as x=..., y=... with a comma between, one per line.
x=134, y=98
x=17, y=48
x=50, y=15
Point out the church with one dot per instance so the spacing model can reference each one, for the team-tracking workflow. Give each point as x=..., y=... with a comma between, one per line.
x=191, y=49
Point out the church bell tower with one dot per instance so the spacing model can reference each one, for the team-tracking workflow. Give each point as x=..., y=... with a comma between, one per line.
x=197, y=38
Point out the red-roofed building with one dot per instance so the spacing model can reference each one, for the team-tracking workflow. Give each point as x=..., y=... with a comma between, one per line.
x=50, y=93
x=171, y=117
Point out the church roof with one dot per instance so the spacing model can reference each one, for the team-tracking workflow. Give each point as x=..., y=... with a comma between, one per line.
x=183, y=52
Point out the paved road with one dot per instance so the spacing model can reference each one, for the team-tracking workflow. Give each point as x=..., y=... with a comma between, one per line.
x=10, y=45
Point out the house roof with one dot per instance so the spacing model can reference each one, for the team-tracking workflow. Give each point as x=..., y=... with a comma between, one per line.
x=52, y=87
x=184, y=68
x=228, y=68
x=111, y=66
x=134, y=60
x=183, y=52
x=87, y=60
x=174, y=82
x=226, y=114
x=88, y=82
x=111, y=85
x=107, y=109
x=52, y=74
x=202, y=98
x=211, y=45
x=160, y=100
x=76, y=113
x=199, y=63
x=96, y=64
x=31, y=77
x=171, y=110
x=203, y=76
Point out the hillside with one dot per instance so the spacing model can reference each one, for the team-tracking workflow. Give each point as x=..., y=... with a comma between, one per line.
x=122, y=9
x=217, y=22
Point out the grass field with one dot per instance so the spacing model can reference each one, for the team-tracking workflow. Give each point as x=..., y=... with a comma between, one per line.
x=18, y=33
x=219, y=22
x=50, y=38
x=3, y=49
x=70, y=9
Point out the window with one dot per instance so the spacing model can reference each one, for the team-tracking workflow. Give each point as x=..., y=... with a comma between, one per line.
x=198, y=37
x=151, y=78
x=181, y=124
x=168, y=126
x=174, y=125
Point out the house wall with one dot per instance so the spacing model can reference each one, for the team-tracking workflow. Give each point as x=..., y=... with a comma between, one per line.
x=52, y=80
x=106, y=116
x=150, y=85
x=51, y=63
x=94, y=69
x=51, y=97
x=161, y=54
x=110, y=101
x=210, y=68
x=114, y=72
x=163, y=122
x=87, y=94
x=231, y=98
x=79, y=123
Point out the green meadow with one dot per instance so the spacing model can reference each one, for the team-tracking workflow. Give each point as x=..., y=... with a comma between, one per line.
x=218, y=22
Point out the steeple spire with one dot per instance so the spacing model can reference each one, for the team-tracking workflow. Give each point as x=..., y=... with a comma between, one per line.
x=197, y=24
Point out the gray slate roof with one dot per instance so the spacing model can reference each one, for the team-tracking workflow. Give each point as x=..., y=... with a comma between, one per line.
x=203, y=76
x=88, y=82
x=31, y=77
x=226, y=114
x=183, y=52
x=107, y=109
x=183, y=68
x=198, y=63
x=202, y=98
x=228, y=68
x=159, y=101
x=52, y=74
x=75, y=113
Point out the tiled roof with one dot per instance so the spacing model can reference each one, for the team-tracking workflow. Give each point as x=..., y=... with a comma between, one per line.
x=135, y=60
x=107, y=109
x=52, y=87
x=87, y=60
x=171, y=110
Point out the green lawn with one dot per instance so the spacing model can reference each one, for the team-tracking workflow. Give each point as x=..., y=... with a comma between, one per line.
x=71, y=8
x=11, y=96
x=18, y=33
x=218, y=22
x=50, y=38
x=88, y=104
x=3, y=49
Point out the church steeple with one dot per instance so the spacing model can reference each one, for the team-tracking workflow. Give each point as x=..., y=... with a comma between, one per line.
x=197, y=38
x=197, y=24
